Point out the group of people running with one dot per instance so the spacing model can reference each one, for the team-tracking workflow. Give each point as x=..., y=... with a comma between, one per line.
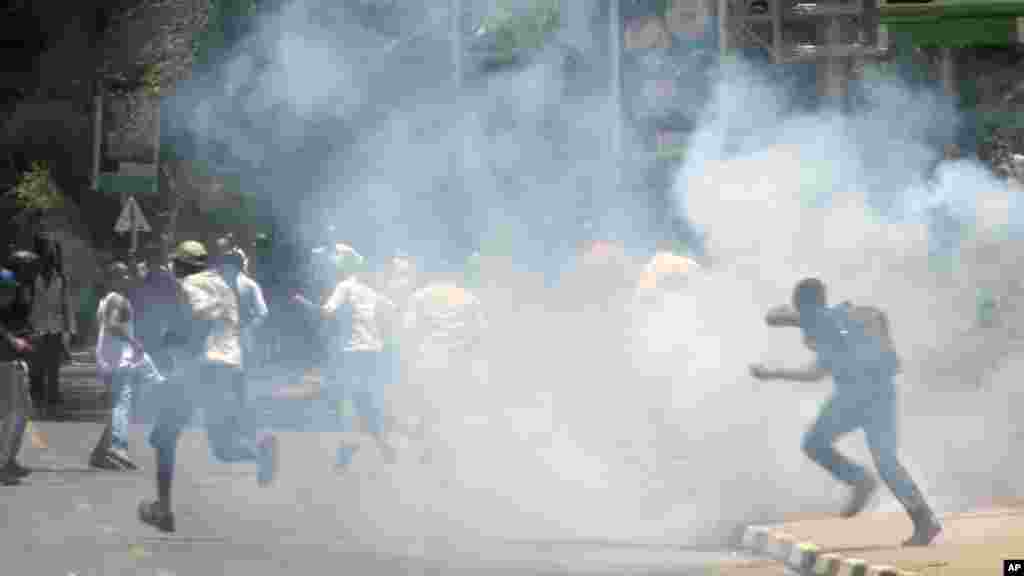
x=403, y=327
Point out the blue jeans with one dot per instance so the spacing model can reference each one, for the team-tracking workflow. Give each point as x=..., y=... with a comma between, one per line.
x=357, y=380
x=872, y=409
x=212, y=389
x=121, y=387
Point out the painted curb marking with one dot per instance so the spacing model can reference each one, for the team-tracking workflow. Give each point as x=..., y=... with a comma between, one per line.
x=853, y=567
x=807, y=558
x=780, y=546
x=804, y=557
x=827, y=565
x=753, y=537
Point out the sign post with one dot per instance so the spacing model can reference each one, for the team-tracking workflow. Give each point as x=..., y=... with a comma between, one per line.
x=132, y=220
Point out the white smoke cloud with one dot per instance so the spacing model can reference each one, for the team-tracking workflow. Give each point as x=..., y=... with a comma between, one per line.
x=558, y=439
x=761, y=204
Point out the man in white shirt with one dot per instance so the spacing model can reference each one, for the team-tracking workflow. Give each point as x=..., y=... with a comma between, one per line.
x=120, y=359
x=361, y=315
x=209, y=354
x=252, y=308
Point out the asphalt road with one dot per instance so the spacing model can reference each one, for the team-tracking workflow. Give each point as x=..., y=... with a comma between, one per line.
x=67, y=519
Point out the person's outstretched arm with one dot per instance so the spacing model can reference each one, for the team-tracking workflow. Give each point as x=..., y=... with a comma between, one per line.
x=813, y=372
x=782, y=316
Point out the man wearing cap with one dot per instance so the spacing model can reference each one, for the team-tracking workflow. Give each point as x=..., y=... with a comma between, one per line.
x=209, y=355
x=252, y=307
x=120, y=360
x=15, y=397
x=361, y=315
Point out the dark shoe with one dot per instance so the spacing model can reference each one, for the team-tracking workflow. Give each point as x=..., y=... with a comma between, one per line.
x=343, y=459
x=151, y=513
x=104, y=461
x=121, y=458
x=7, y=478
x=862, y=493
x=926, y=528
x=17, y=470
x=269, y=461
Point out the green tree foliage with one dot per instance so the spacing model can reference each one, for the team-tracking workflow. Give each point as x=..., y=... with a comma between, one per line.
x=515, y=31
x=34, y=191
x=222, y=28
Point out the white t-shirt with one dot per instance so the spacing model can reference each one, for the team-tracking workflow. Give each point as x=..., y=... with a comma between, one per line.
x=359, y=310
x=113, y=352
x=211, y=300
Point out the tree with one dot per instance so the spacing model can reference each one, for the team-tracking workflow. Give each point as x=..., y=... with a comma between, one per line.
x=35, y=193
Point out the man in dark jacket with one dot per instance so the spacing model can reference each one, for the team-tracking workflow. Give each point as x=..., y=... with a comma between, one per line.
x=15, y=399
x=852, y=344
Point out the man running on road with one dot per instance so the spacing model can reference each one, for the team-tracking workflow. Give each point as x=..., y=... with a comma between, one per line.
x=207, y=330
x=359, y=315
x=863, y=367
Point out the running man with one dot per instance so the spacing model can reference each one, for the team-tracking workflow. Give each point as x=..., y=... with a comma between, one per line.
x=209, y=346
x=360, y=314
x=851, y=343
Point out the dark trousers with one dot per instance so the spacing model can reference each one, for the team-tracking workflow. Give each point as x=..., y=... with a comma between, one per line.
x=45, y=369
x=875, y=413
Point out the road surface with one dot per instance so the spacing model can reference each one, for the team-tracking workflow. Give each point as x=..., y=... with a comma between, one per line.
x=67, y=519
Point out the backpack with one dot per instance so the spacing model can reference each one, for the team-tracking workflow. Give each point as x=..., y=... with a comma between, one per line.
x=865, y=336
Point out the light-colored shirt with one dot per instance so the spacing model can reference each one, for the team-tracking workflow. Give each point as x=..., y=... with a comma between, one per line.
x=252, y=307
x=443, y=317
x=211, y=302
x=114, y=352
x=360, y=311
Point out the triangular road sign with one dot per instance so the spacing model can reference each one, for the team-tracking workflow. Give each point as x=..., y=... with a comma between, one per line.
x=131, y=218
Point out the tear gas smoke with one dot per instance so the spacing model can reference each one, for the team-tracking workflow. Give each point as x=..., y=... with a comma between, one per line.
x=555, y=436
x=844, y=198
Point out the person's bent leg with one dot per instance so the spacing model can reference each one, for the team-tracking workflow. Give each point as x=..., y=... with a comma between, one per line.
x=99, y=457
x=14, y=409
x=883, y=441
x=119, y=419
x=175, y=410
x=222, y=415
x=229, y=440
x=367, y=399
x=837, y=418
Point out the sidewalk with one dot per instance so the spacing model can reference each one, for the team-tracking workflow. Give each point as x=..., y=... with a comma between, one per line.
x=971, y=544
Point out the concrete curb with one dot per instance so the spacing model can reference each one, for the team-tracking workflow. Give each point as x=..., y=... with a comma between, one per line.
x=807, y=559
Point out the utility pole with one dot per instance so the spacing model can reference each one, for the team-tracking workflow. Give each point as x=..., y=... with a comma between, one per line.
x=724, y=35
x=835, y=66
x=97, y=134
x=455, y=31
x=618, y=113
